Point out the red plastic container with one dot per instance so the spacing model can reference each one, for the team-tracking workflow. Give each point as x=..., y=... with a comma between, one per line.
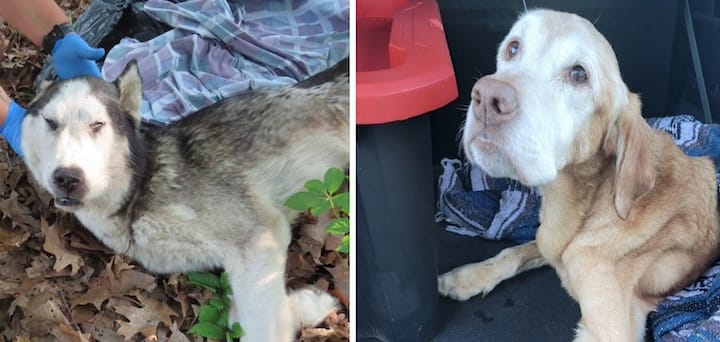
x=403, y=71
x=403, y=64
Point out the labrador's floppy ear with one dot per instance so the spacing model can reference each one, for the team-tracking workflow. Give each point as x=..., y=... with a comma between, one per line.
x=129, y=84
x=631, y=142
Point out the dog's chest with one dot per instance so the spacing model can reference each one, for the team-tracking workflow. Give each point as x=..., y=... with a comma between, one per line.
x=179, y=242
x=175, y=236
x=568, y=209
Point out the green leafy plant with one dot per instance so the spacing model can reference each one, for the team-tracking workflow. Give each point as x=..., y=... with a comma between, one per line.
x=212, y=319
x=323, y=195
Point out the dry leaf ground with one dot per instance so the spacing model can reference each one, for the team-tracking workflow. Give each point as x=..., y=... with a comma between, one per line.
x=58, y=283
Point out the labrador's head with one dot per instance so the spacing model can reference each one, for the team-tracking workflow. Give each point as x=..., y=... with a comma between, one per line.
x=555, y=99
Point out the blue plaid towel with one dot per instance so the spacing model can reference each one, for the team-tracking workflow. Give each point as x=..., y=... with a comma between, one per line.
x=219, y=49
x=471, y=203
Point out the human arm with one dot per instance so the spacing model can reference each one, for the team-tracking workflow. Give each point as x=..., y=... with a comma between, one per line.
x=11, y=115
x=72, y=56
x=33, y=18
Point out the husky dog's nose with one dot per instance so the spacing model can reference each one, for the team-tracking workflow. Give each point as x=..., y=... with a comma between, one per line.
x=69, y=180
x=494, y=101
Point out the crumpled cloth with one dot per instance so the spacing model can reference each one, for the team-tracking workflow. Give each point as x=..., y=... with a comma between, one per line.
x=217, y=49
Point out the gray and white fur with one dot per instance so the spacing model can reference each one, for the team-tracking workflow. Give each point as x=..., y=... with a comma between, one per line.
x=203, y=193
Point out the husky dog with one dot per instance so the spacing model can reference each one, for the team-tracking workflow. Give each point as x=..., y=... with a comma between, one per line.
x=202, y=193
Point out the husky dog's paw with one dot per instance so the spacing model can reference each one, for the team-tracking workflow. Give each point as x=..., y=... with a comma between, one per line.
x=469, y=280
x=310, y=306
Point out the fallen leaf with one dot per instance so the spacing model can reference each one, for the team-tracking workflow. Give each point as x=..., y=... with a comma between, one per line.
x=300, y=267
x=13, y=262
x=311, y=246
x=42, y=308
x=332, y=242
x=117, y=279
x=102, y=328
x=40, y=266
x=315, y=229
x=68, y=333
x=145, y=319
x=20, y=215
x=341, y=279
x=322, y=284
x=55, y=245
x=174, y=288
x=14, y=238
x=176, y=335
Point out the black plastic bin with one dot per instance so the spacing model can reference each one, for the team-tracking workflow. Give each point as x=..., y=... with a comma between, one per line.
x=403, y=72
x=396, y=272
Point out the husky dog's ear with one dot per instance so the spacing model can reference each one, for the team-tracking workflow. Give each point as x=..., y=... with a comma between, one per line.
x=130, y=86
x=44, y=84
x=635, y=160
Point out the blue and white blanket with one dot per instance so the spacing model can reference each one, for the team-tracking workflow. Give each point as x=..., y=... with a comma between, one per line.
x=472, y=203
x=220, y=48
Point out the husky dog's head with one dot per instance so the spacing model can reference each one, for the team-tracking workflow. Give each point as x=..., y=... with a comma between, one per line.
x=81, y=141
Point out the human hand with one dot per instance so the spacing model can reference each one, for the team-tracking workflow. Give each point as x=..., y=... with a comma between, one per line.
x=12, y=127
x=73, y=57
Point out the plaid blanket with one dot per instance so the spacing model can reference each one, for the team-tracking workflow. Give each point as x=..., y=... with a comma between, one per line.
x=218, y=49
x=471, y=203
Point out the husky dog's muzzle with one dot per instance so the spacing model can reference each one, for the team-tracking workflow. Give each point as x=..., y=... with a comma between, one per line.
x=69, y=187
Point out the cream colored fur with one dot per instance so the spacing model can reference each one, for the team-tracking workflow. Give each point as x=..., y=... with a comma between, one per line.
x=626, y=218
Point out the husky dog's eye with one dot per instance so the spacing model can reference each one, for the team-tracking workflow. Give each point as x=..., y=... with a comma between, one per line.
x=512, y=49
x=52, y=124
x=96, y=126
x=578, y=74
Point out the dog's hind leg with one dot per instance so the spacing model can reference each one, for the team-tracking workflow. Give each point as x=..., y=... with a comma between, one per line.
x=260, y=302
x=480, y=278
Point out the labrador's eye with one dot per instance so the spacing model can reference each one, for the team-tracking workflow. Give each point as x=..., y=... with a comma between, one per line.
x=52, y=124
x=578, y=74
x=96, y=126
x=512, y=49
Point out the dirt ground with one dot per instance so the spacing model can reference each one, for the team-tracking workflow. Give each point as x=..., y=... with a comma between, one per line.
x=58, y=283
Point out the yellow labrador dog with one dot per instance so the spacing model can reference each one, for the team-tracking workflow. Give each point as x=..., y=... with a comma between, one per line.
x=626, y=218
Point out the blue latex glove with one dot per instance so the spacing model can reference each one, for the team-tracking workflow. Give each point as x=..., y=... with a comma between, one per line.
x=12, y=127
x=73, y=57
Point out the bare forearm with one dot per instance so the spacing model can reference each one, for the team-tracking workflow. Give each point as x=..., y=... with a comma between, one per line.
x=33, y=18
x=4, y=105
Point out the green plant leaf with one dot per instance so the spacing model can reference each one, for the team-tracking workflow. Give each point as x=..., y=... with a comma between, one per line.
x=227, y=302
x=316, y=186
x=333, y=179
x=320, y=208
x=236, y=331
x=208, y=330
x=223, y=320
x=304, y=200
x=208, y=313
x=342, y=200
x=225, y=284
x=205, y=280
x=344, y=245
x=340, y=226
x=218, y=304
